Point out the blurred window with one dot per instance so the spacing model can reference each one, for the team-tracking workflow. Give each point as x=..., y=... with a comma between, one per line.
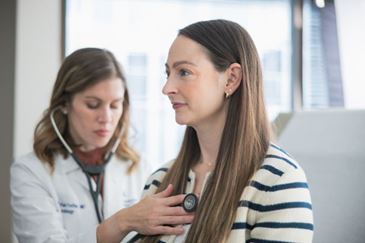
x=322, y=79
x=139, y=33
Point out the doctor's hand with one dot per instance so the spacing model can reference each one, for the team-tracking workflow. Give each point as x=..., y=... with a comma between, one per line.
x=159, y=214
x=156, y=214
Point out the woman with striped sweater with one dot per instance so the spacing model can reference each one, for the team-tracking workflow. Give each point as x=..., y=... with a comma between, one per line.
x=249, y=189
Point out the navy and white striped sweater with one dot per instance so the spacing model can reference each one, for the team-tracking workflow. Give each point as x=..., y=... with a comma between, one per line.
x=274, y=207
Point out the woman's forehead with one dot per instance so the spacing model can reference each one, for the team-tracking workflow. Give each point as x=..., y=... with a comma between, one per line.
x=186, y=50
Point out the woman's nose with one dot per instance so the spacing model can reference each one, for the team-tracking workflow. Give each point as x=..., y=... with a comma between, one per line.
x=169, y=87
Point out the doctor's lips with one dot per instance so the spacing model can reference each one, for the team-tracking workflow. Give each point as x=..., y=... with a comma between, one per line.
x=177, y=105
x=102, y=132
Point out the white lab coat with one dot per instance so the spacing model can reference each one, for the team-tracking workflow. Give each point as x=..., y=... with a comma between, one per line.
x=57, y=207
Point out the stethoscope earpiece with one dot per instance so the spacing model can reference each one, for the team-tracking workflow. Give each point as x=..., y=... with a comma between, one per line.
x=190, y=202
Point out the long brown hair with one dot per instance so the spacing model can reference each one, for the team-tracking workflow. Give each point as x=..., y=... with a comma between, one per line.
x=80, y=70
x=245, y=138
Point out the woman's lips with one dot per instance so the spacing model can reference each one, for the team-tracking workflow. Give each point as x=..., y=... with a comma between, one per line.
x=102, y=133
x=177, y=105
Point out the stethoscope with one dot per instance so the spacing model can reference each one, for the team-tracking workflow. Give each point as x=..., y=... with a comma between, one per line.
x=190, y=202
x=89, y=170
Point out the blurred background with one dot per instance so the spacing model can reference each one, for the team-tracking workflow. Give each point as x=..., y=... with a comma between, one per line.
x=312, y=55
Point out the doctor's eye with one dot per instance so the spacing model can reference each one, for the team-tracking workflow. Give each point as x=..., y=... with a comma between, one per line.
x=116, y=105
x=92, y=105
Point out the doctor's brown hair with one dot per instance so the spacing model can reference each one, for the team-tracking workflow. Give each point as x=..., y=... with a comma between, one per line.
x=245, y=137
x=80, y=70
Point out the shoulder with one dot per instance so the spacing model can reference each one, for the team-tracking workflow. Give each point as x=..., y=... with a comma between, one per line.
x=279, y=164
x=280, y=180
x=31, y=163
x=280, y=183
x=155, y=179
x=29, y=175
x=27, y=158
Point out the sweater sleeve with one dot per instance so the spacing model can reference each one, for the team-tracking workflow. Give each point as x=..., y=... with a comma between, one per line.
x=284, y=212
x=154, y=180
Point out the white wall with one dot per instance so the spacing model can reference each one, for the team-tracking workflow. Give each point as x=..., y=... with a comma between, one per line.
x=351, y=36
x=38, y=56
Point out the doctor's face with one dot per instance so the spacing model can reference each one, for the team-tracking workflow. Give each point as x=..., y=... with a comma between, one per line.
x=93, y=114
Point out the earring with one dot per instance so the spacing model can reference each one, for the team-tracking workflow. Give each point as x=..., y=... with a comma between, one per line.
x=228, y=93
x=64, y=111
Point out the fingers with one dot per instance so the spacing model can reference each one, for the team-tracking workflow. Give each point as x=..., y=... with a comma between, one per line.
x=165, y=193
x=174, y=211
x=174, y=216
x=170, y=201
x=159, y=215
x=174, y=200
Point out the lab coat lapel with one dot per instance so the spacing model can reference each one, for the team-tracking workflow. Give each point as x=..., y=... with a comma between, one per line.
x=114, y=183
x=68, y=165
x=73, y=171
x=71, y=168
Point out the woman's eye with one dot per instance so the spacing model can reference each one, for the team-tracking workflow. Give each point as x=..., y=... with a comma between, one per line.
x=183, y=72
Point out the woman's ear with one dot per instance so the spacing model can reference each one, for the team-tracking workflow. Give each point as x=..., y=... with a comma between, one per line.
x=234, y=78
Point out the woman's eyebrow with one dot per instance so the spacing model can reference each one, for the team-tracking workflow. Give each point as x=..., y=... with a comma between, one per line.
x=179, y=63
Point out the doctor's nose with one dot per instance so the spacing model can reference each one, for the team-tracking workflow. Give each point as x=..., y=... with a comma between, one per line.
x=105, y=115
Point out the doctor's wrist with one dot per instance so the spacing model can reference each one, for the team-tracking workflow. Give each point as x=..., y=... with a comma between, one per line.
x=124, y=221
x=112, y=229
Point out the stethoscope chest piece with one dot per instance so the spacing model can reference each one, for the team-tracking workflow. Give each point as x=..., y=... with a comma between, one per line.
x=190, y=202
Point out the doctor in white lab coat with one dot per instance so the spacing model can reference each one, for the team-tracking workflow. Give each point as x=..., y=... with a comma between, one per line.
x=57, y=207
x=82, y=180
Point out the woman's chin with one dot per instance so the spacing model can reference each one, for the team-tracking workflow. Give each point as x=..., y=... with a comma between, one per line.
x=180, y=121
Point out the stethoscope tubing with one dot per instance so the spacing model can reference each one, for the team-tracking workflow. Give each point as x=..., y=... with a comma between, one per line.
x=89, y=171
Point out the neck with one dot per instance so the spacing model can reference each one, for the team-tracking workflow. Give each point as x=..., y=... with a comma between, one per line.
x=91, y=157
x=209, y=137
